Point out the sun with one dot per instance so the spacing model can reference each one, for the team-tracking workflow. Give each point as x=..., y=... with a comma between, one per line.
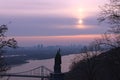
x=80, y=21
x=80, y=24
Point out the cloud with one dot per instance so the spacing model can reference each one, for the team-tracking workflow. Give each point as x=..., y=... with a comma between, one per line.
x=91, y=20
x=39, y=4
x=24, y=7
x=49, y=25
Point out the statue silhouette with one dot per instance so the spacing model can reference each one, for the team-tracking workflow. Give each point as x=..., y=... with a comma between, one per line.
x=57, y=66
x=57, y=75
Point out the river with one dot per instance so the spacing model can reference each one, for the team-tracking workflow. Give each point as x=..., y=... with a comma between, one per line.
x=49, y=63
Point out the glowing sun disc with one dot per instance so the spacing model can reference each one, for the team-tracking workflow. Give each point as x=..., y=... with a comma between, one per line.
x=80, y=21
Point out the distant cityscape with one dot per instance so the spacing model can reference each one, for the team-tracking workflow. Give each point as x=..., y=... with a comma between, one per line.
x=21, y=55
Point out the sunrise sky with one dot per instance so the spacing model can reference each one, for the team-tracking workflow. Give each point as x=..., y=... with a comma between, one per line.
x=52, y=22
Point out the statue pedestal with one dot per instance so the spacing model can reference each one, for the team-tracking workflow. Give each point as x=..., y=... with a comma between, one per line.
x=57, y=76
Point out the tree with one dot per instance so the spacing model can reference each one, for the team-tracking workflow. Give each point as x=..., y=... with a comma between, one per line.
x=4, y=42
x=111, y=14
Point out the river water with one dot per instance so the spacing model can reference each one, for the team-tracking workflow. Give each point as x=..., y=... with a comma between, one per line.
x=49, y=63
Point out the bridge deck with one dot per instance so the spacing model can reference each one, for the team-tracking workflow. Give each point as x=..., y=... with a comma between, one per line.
x=32, y=76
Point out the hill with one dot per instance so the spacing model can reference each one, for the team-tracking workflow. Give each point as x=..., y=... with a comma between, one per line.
x=105, y=66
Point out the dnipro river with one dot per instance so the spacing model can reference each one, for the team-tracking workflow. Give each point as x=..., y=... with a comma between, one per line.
x=49, y=63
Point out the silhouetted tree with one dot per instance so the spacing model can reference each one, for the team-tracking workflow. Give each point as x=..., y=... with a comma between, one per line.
x=3, y=43
x=111, y=14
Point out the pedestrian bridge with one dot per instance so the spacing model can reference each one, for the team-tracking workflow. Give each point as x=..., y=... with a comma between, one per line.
x=39, y=72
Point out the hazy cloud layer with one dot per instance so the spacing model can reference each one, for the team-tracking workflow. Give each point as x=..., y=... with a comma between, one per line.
x=50, y=25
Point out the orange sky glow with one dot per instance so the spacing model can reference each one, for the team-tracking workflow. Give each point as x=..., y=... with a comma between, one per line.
x=55, y=40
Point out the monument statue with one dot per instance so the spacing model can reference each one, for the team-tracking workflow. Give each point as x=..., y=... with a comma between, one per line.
x=57, y=75
x=57, y=66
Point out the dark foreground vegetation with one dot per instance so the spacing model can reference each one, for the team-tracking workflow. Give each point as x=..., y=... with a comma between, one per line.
x=105, y=66
x=4, y=42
